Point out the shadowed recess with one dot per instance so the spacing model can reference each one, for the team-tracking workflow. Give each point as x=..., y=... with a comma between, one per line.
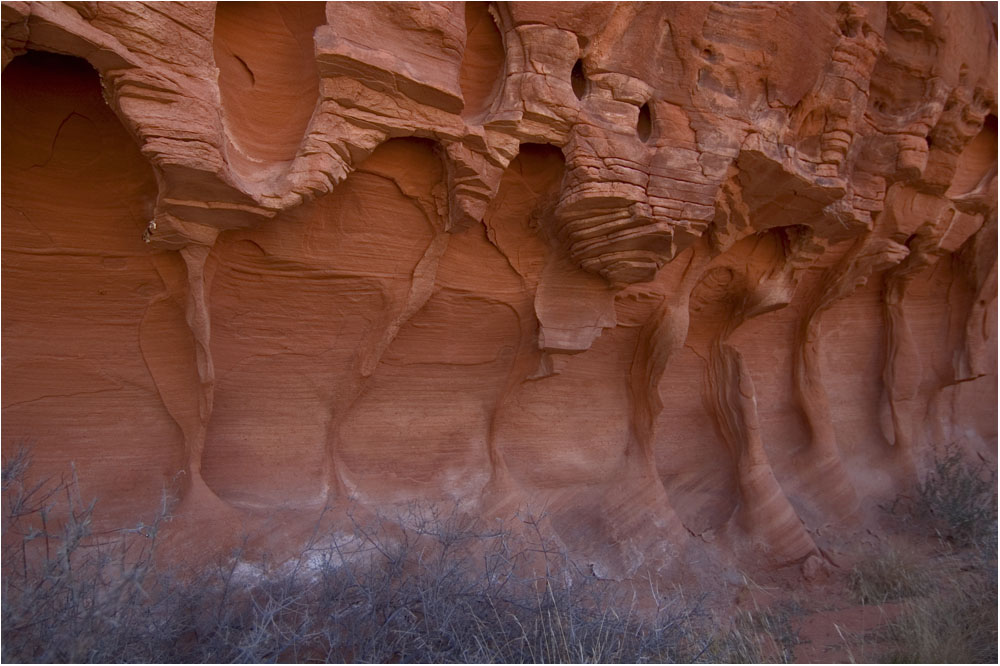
x=578, y=80
x=268, y=93
x=976, y=161
x=84, y=301
x=644, y=126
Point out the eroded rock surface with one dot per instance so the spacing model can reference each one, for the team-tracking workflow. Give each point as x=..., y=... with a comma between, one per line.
x=707, y=277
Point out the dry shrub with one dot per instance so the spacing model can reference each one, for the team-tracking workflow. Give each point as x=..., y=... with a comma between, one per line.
x=953, y=619
x=425, y=586
x=960, y=497
x=436, y=588
x=70, y=595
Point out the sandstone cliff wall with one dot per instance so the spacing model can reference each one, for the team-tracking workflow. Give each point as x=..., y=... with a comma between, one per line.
x=689, y=276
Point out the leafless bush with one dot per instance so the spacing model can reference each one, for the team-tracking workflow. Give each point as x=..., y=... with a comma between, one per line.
x=425, y=586
x=949, y=610
x=69, y=594
x=961, y=499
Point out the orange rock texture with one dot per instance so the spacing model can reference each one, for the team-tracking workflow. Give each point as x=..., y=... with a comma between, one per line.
x=693, y=278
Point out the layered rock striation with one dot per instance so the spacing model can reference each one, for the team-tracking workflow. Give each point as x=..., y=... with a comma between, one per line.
x=702, y=277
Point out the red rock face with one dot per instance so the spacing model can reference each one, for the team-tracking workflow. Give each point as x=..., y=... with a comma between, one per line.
x=692, y=277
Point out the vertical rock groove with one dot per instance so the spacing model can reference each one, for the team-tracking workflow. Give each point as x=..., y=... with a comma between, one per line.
x=482, y=60
x=268, y=80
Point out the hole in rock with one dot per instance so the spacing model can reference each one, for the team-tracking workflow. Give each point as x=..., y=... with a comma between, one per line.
x=976, y=160
x=578, y=80
x=541, y=150
x=483, y=62
x=542, y=165
x=268, y=94
x=644, y=127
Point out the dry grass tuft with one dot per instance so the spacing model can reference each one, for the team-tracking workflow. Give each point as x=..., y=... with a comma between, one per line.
x=954, y=625
x=757, y=637
x=893, y=576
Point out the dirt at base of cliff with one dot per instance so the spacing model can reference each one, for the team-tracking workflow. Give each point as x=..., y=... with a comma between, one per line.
x=908, y=595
